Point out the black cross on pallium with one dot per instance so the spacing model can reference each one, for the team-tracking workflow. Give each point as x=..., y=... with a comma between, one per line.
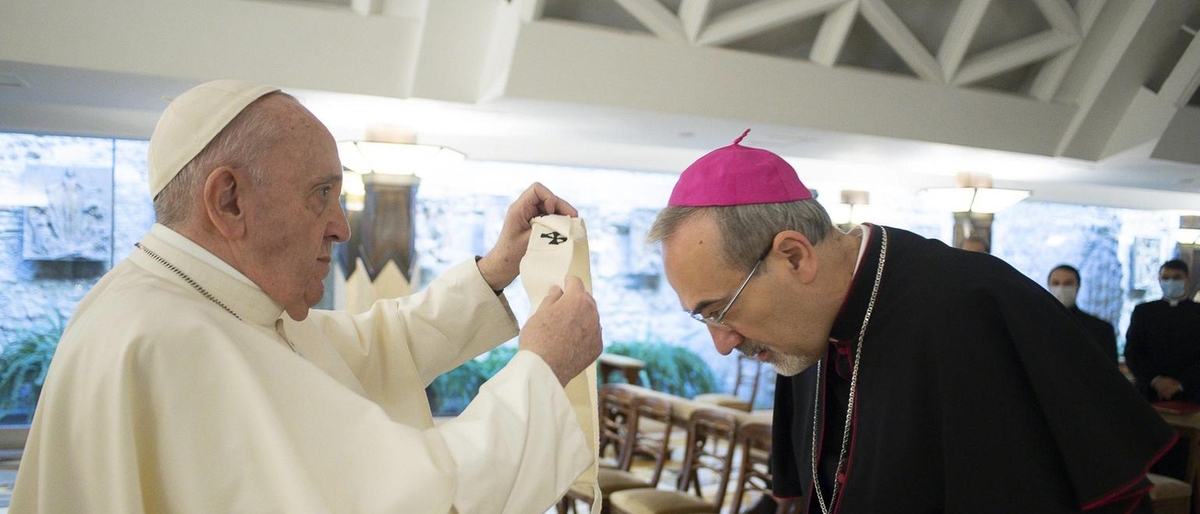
x=555, y=237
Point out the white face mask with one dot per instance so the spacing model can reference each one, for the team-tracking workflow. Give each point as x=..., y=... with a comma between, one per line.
x=1172, y=288
x=1065, y=294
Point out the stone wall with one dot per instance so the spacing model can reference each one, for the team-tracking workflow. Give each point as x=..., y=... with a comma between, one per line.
x=461, y=209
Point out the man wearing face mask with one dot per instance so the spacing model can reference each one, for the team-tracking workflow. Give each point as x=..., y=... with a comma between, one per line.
x=1063, y=283
x=1162, y=345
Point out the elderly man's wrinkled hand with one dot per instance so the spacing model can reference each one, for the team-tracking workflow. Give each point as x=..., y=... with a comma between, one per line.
x=502, y=264
x=565, y=330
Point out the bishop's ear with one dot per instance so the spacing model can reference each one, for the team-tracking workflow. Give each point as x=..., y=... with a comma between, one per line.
x=224, y=200
x=798, y=252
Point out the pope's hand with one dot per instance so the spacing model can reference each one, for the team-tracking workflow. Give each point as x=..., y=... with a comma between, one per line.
x=502, y=264
x=565, y=330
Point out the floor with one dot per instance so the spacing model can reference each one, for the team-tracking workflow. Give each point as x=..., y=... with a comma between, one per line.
x=670, y=474
x=643, y=468
x=8, y=477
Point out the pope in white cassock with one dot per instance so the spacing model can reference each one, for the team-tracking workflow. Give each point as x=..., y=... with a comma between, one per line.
x=194, y=377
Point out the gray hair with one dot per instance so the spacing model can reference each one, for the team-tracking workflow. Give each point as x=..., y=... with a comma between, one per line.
x=239, y=145
x=748, y=230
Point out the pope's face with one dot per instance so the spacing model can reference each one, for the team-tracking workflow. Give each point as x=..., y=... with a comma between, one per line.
x=770, y=319
x=295, y=216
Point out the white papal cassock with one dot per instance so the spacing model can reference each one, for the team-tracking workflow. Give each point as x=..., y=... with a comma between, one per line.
x=159, y=400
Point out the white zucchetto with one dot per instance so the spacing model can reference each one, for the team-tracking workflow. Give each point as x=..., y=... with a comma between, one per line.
x=191, y=121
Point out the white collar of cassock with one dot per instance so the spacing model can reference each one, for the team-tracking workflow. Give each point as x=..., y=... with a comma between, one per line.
x=220, y=279
x=862, y=245
x=862, y=250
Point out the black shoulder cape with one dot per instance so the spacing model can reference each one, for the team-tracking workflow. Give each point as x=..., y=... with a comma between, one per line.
x=976, y=393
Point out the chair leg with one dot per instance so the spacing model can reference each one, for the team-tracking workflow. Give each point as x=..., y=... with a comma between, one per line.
x=564, y=505
x=785, y=506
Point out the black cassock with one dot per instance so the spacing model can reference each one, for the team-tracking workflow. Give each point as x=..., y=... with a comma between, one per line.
x=1164, y=339
x=1101, y=332
x=976, y=393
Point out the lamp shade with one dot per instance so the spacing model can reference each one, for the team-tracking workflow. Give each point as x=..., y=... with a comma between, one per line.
x=853, y=210
x=991, y=200
x=985, y=200
x=395, y=158
x=953, y=199
x=1189, y=230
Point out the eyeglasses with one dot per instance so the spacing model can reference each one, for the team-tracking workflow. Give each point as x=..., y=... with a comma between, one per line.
x=718, y=321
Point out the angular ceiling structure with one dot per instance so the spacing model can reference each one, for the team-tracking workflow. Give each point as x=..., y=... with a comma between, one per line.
x=1087, y=101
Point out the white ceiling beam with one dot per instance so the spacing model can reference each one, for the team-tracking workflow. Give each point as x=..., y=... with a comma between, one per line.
x=1060, y=15
x=1088, y=11
x=693, y=13
x=1013, y=55
x=367, y=7
x=1051, y=74
x=958, y=37
x=656, y=17
x=1184, y=77
x=1111, y=69
x=831, y=37
x=591, y=66
x=902, y=40
x=1178, y=140
x=760, y=17
x=532, y=10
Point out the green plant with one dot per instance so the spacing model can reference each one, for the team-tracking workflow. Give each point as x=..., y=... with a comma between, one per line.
x=669, y=368
x=450, y=393
x=496, y=359
x=24, y=363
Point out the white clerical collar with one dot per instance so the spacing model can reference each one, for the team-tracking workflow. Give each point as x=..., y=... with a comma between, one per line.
x=181, y=242
x=231, y=289
x=862, y=251
x=862, y=245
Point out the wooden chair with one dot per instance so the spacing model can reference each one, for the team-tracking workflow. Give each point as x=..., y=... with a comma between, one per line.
x=640, y=443
x=616, y=418
x=653, y=423
x=1169, y=495
x=749, y=373
x=710, y=447
x=754, y=472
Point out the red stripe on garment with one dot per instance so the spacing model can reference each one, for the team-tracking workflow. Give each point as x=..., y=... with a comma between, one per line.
x=1123, y=492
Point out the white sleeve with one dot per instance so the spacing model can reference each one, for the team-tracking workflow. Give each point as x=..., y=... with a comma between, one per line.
x=237, y=428
x=453, y=320
x=526, y=392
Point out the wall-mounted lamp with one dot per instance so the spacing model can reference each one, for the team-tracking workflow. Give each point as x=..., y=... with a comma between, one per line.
x=395, y=158
x=379, y=184
x=853, y=210
x=975, y=193
x=1189, y=230
x=361, y=158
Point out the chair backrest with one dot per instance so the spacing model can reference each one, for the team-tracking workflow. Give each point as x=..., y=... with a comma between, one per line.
x=754, y=472
x=749, y=374
x=616, y=420
x=710, y=446
x=650, y=440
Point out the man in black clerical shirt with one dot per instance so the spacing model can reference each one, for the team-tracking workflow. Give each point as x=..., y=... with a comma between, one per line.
x=1063, y=283
x=1162, y=345
x=913, y=377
